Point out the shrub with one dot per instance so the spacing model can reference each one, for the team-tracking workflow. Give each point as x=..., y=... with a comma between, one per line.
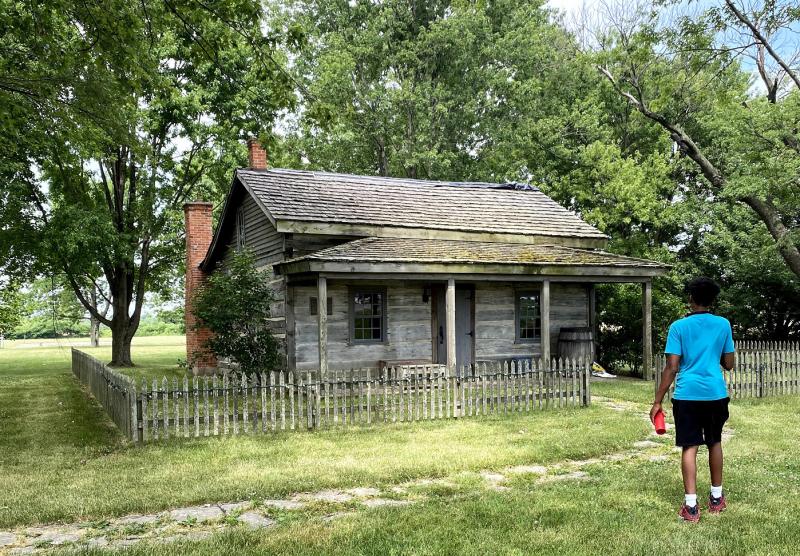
x=234, y=305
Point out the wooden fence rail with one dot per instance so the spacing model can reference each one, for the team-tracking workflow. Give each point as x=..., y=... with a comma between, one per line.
x=231, y=403
x=113, y=390
x=755, y=374
x=287, y=400
x=766, y=345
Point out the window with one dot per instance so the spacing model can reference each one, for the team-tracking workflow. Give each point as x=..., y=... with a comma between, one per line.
x=240, y=239
x=313, y=306
x=367, y=315
x=529, y=320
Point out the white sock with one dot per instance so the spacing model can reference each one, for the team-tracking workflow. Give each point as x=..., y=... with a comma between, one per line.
x=716, y=492
x=691, y=500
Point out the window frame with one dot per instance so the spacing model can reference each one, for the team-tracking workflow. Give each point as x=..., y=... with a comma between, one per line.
x=351, y=316
x=313, y=306
x=518, y=294
x=241, y=236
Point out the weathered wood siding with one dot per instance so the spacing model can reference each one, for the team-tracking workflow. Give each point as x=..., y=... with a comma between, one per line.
x=495, y=318
x=409, y=324
x=408, y=328
x=260, y=236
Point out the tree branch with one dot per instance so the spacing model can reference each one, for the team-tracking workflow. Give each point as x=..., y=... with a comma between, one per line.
x=763, y=40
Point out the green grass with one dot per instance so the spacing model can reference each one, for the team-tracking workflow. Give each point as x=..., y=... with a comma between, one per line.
x=59, y=457
x=59, y=450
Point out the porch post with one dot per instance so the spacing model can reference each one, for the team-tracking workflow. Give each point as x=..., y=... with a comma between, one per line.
x=647, y=330
x=322, y=321
x=546, y=324
x=450, y=311
x=593, y=320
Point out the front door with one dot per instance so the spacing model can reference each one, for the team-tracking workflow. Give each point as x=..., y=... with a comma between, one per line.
x=465, y=325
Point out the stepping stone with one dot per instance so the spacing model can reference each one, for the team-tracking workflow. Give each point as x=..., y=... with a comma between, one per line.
x=256, y=520
x=364, y=491
x=200, y=513
x=136, y=520
x=658, y=458
x=284, y=504
x=646, y=444
x=535, y=469
x=7, y=539
x=378, y=502
x=575, y=475
x=97, y=542
x=23, y=550
x=493, y=477
x=329, y=496
x=55, y=535
x=233, y=506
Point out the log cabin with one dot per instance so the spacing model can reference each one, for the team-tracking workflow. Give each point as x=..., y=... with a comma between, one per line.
x=372, y=271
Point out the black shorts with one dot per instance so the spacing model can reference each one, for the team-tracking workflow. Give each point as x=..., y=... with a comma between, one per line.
x=699, y=421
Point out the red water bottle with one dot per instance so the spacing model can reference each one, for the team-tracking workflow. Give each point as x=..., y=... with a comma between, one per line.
x=658, y=422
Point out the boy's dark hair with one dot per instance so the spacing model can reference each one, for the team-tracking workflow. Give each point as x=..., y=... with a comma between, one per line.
x=704, y=291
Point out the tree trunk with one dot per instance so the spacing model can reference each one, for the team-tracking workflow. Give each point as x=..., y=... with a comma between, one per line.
x=123, y=326
x=121, y=342
x=94, y=324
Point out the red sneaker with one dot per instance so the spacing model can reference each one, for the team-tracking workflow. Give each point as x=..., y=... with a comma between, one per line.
x=716, y=505
x=690, y=514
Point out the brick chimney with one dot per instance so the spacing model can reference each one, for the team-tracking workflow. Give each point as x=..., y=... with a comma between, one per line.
x=199, y=233
x=256, y=154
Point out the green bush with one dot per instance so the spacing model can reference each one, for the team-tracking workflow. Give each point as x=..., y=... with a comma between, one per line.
x=234, y=305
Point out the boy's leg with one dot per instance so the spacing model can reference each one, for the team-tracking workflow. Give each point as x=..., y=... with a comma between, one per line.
x=715, y=463
x=689, y=469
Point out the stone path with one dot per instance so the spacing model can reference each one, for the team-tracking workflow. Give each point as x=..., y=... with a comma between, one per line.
x=198, y=522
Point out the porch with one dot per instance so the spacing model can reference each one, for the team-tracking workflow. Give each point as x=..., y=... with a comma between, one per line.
x=381, y=302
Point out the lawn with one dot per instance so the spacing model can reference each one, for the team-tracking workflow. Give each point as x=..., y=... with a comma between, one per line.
x=62, y=460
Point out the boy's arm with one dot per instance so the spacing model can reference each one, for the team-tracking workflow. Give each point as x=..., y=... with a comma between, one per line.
x=727, y=361
x=670, y=370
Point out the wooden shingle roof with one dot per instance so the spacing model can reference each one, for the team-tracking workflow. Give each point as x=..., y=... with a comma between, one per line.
x=304, y=196
x=382, y=250
x=396, y=256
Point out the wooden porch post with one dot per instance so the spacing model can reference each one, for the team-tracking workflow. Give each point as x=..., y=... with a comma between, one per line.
x=450, y=311
x=322, y=320
x=647, y=330
x=592, y=320
x=546, y=324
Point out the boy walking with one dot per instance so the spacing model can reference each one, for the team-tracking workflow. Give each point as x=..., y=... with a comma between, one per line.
x=696, y=347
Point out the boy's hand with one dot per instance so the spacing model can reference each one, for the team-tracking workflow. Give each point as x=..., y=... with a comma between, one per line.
x=653, y=410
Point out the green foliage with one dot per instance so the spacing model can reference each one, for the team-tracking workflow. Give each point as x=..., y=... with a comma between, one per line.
x=11, y=306
x=114, y=114
x=234, y=305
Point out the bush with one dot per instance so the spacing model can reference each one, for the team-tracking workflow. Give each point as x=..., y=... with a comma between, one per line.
x=234, y=305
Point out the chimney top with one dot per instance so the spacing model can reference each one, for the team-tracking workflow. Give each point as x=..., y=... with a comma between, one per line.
x=256, y=155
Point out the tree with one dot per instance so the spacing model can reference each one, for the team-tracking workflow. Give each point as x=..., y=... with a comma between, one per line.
x=422, y=89
x=114, y=114
x=688, y=78
x=239, y=326
x=11, y=305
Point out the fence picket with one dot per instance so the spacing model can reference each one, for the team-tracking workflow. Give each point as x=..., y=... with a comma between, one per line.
x=215, y=395
x=196, y=408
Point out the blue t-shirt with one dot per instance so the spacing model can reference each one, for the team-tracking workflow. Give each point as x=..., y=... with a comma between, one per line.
x=700, y=339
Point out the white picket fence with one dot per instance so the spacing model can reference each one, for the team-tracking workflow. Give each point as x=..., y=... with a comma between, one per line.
x=233, y=404
x=755, y=374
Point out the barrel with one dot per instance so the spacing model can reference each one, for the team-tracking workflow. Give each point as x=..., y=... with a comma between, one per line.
x=576, y=343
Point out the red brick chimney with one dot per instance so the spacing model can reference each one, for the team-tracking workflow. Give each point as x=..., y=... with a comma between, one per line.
x=199, y=233
x=256, y=155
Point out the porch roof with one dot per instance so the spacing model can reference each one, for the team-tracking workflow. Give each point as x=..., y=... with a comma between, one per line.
x=403, y=255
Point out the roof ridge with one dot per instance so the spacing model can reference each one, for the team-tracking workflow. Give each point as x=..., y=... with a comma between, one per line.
x=340, y=176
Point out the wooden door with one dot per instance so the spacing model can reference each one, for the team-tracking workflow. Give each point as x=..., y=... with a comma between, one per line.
x=465, y=325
